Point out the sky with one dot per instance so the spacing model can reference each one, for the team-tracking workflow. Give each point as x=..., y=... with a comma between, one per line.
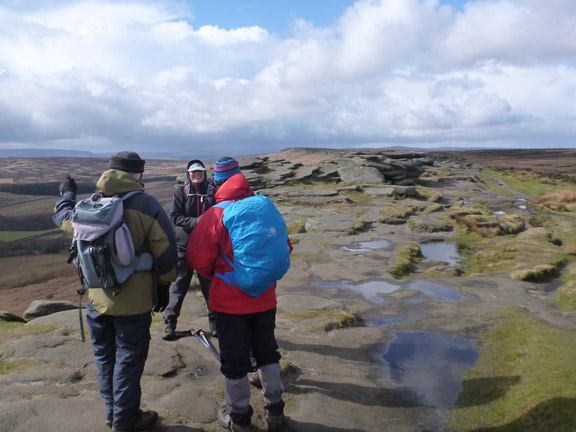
x=237, y=77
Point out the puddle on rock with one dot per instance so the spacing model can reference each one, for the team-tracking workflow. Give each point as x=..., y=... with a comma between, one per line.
x=368, y=246
x=440, y=251
x=430, y=364
x=408, y=317
x=373, y=291
x=440, y=292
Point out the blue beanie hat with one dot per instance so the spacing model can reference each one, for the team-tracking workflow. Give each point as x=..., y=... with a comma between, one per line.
x=225, y=168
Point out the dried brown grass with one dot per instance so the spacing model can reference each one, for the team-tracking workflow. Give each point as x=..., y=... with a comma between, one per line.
x=562, y=200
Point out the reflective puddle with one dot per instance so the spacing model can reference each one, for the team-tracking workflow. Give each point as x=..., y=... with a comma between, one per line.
x=408, y=317
x=369, y=246
x=373, y=291
x=440, y=292
x=430, y=364
x=426, y=365
x=520, y=203
x=440, y=251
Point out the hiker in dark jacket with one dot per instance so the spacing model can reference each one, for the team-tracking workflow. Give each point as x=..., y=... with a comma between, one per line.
x=245, y=323
x=188, y=204
x=120, y=324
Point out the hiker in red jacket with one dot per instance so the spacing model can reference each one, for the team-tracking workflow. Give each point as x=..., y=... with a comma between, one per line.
x=245, y=323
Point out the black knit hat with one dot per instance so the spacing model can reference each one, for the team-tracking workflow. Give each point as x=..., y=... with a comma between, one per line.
x=127, y=161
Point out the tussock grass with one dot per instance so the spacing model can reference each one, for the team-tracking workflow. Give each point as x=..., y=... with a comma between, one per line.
x=489, y=226
x=322, y=319
x=429, y=194
x=359, y=225
x=406, y=260
x=402, y=211
x=524, y=380
x=560, y=200
x=530, y=255
x=297, y=227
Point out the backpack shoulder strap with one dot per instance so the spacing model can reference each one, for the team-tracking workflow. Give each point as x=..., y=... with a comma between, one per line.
x=130, y=194
x=223, y=204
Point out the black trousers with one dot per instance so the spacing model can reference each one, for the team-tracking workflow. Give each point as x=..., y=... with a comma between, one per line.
x=243, y=337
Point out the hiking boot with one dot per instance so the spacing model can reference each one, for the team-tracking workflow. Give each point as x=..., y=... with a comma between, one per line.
x=224, y=419
x=237, y=428
x=169, y=332
x=275, y=422
x=255, y=380
x=147, y=420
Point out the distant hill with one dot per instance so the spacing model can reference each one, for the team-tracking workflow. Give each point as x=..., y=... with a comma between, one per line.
x=43, y=153
x=48, y=153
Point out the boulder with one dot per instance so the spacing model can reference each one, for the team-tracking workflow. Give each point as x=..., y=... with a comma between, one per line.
x=360, y=174
x=7, y=316
x=40, y=308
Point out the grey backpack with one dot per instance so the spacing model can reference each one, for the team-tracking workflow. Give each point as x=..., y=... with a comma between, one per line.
x=102, y=247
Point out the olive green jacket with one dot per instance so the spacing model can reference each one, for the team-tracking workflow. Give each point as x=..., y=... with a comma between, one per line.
x=151, y=232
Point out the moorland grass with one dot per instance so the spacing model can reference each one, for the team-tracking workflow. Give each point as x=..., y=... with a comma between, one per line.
x=529, y=184
x=524, y=380
x=45, y=267
x=491, y=181
x=9, y=326
x=566, y=294
x=19, y=235
x=20, y=365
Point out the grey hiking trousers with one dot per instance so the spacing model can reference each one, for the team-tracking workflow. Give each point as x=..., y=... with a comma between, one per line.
x=179, y=288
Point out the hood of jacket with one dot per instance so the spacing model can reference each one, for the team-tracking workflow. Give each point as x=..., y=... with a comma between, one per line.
x=234, y=189
x=113, y=182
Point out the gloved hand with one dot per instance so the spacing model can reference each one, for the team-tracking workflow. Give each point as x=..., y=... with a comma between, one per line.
x=163, y=297
x=67, y=185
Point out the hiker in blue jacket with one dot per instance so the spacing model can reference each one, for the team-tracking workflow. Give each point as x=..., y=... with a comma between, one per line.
x=188, y=205
x=120, y=324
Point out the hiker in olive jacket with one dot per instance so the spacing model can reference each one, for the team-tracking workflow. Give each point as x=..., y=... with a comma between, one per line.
x=189, y=203
x=120, y=324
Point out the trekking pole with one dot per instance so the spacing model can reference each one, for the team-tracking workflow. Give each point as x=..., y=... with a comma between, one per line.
x=81, y=291
x=209, y=343
x=201, y=336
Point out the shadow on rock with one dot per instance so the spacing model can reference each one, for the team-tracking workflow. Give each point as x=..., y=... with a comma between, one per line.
x=367, y=396
x=177, y=429
x=355, y=354
x=555, y=414
x=296, y=426
x=480, y=391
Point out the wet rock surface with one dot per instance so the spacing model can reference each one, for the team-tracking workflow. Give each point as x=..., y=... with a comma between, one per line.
x=339, y=314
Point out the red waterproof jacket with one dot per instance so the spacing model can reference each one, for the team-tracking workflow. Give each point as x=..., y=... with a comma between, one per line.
x=208, y=238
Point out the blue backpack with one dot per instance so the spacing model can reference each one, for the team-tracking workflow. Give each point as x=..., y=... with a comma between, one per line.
x=259, y=244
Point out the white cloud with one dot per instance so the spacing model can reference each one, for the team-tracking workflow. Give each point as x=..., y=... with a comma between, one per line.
x=411, y=72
